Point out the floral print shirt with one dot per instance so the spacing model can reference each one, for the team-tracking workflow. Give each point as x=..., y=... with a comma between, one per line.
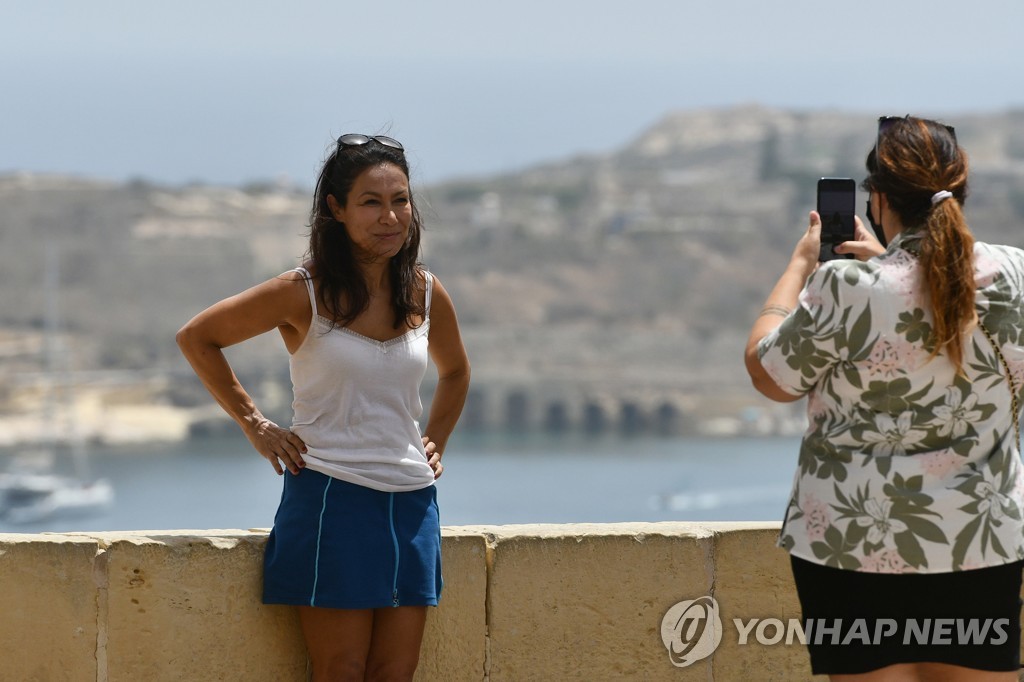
x=906, y=466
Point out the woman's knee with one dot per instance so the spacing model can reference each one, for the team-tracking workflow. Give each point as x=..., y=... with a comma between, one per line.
x=392, y=670
x=338, y=669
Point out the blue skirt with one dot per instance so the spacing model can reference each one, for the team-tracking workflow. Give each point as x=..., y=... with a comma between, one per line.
x=345, y=546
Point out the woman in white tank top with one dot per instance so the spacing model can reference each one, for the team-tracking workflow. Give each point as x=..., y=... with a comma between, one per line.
x=356, y=540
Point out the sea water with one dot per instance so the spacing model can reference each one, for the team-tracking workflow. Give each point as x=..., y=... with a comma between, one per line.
x=488, y=479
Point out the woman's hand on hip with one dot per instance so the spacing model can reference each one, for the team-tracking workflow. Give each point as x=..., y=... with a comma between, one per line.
x=433, y=457
x=279, y=446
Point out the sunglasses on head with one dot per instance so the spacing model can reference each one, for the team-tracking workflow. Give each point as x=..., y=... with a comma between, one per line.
x=356, y=139
x=887, y=122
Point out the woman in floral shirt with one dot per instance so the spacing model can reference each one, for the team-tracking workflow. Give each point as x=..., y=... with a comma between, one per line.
x=907, y=502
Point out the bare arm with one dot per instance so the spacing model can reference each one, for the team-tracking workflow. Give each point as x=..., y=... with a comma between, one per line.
x=280, y=303
x=449, y=356
x=782, y=300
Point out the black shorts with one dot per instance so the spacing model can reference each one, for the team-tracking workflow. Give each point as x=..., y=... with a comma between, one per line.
x=857, y=622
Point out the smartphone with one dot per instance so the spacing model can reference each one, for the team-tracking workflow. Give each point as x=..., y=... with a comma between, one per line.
x=836, y=197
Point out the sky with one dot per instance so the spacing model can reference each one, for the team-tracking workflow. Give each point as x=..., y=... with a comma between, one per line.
x=231, y=92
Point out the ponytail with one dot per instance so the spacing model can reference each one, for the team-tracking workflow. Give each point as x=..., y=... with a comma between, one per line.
x=947, y=261
x=919, y=167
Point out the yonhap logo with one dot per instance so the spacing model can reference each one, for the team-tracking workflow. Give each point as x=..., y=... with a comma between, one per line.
x=691, y=630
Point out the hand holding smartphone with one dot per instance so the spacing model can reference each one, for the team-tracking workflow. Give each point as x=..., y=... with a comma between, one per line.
x=836, y=198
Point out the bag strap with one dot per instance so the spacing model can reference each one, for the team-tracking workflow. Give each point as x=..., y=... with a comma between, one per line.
x=1009, y=381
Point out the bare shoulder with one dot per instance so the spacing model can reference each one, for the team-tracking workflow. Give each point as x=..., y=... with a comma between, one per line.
x=309, y=266
x=420, y=284
x=279, y=302
x=288, y=298
x=283, y=297
x=289, y=283
x=446, y=347
x=441, y=305
x=297, y=274
x=438, y=287
x=292, y=276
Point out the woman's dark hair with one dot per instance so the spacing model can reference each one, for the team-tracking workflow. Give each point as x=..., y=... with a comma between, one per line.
x=913, y=159
x=337, y=266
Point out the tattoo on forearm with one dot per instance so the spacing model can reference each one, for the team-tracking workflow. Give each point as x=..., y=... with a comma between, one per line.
x=772, y=309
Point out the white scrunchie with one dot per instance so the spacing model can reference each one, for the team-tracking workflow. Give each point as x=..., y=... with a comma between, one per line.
x=939, y=196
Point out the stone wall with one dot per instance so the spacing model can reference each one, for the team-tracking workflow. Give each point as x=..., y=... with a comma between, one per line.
x=537, y=602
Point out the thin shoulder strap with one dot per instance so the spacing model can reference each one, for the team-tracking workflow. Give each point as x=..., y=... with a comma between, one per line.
x=430, y=290
x=309, y=287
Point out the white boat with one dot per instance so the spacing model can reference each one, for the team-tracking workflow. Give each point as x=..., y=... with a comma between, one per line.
x=34, y=497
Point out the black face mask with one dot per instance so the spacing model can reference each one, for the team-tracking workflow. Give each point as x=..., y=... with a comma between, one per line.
x=877, y=227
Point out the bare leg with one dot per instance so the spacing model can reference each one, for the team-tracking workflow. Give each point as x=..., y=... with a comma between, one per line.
x=901, y=672
x=395, y=646
x=943, y=672
x=338, y=641
x=926, y=672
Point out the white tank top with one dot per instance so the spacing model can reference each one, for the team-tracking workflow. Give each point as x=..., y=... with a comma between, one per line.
x=357, y=402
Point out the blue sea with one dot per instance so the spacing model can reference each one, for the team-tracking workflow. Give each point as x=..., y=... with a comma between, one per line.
x=488, y=479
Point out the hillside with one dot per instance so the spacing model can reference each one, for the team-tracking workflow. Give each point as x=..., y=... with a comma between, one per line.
x=600, y=290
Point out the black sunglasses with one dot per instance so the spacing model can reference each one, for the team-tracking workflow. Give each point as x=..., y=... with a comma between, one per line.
x=356, y=139
x=887, y=122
